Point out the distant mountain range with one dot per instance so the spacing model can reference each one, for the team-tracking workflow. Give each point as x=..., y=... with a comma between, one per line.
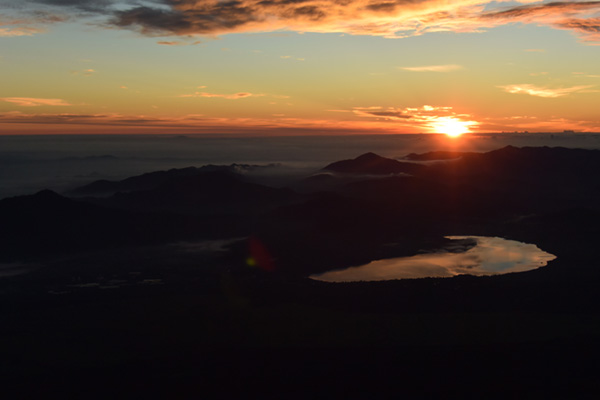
x=177, y=283
x=345, y=215
x=152, y=180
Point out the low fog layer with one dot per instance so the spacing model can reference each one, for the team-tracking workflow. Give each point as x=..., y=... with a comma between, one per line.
x=31, y=163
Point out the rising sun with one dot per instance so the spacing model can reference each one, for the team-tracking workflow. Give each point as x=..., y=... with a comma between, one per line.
x=452, y=127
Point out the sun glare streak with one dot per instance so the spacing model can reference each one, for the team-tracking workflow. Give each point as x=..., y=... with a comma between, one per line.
x=451, y=126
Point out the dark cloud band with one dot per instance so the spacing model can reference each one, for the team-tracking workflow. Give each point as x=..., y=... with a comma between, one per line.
x=393, y=18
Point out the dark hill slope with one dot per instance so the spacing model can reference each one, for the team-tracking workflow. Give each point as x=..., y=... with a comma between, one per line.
x=152, y=180
x=528, y=163
x=139, y=182
x=214, y=193
x=372, y=164
x=436, y=156
x=48, y=223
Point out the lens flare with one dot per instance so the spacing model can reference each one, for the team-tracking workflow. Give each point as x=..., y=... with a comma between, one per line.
x=259, y=255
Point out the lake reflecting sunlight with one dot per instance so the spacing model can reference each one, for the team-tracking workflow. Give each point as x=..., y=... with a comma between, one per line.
x=490, y=256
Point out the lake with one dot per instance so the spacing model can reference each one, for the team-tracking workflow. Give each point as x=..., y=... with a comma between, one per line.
x=490, y=256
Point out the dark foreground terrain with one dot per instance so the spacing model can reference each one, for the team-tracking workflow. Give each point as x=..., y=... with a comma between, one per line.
x=192, y=282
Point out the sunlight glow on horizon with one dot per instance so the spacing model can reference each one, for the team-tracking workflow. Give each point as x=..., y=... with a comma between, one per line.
x=452, y=127
x=504, y=67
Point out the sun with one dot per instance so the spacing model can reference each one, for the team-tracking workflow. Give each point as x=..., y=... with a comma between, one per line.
x=451, y=126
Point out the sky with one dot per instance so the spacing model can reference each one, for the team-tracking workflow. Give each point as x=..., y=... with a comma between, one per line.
x=298, y=67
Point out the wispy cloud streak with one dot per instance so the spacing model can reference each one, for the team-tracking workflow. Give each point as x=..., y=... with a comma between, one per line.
x=187, y=123
x=540, y=91
x=434, y=68
x=34, y=102
x=34, y=22
x=20, y=31
x=233, y=96
x=428, y=118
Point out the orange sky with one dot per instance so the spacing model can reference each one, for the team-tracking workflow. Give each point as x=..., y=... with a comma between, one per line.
x=298, y=67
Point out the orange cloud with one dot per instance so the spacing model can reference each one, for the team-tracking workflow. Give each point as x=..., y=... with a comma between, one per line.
x=535, y=124
x=281, y=125
x=85, y=72
x=428, y=118
x=14, y=27
x=178, y=43
x=20, y=31
x=370, y=17
x=538, y=91
x=578, y=16
x=543, y=10
x=589, y=28
x=387, y=18
x=234, y=96
x=395, y=18
x=419, y=119
x=434, y=68
x=34, y=102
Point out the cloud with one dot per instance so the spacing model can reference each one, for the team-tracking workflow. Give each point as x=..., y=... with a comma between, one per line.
x=91, y=6
x=76, y=123
x=429, y=118
x=589, y=29
x=434, y=68
x=577, y=16
x=234, y=96
x=209, y=17
x=386, y=18
x=535, y=124
x=85, y=72
x=544, y=10
x=424, y=121
x=13, y=24
x=65, y=118
x=395, y=18
x=177, y=43
x=34, y=102
x=291, y=57
x=392, y=113
x=539, y=91
x=20, y=31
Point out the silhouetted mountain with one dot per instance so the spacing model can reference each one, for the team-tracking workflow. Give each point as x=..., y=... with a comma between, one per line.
x=373, y=164
x=140, y=182
x=154, y=179
x=102, y=288
x=471, y=191
x=208, y=193
x=48, y=223
x=544, y=163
